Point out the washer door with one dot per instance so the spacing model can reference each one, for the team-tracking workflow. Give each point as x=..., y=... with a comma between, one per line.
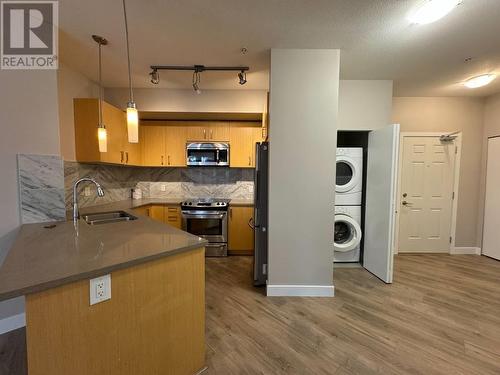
x=347, y=233
x=346, y=174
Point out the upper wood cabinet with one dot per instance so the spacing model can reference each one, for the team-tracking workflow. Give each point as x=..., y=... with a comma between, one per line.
x=207, y=131
x=163, y=146
x=120, y=151
x=242, y=140
x=240, y=235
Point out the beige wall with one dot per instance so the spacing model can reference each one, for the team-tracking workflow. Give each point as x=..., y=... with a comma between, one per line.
x=29, y=124
x=303, y=114
x=448, y=115
x=364, y=105
x=71, y=84
x=491, y=129
x=188, y=101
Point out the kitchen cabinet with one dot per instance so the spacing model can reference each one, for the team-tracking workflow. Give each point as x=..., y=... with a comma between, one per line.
x=208, y=131
x=168, y=214
x=143, y=210
x=242, y=141
x=240, y=235
x=163, y=146
x=120, y=151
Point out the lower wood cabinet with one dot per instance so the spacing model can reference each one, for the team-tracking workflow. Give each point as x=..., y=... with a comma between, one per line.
x=168, y=214
x=143, y=210
x=240, y=235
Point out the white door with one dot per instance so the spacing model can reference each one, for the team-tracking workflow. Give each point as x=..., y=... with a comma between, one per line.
x=427, y=177
x=380, y=201
x=491, y=232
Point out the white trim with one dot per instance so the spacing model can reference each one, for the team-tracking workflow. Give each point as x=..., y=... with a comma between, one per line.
x=456, y=180
x=12, y=322
x=465, y=251
x=300, y=291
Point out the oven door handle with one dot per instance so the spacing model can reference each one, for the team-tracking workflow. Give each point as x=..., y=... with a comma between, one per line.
x=203, y=216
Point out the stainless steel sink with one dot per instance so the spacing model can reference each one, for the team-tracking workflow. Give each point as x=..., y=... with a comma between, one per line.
x=107, y=217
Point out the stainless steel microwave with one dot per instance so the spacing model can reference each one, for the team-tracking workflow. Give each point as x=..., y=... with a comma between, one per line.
x=209, y=154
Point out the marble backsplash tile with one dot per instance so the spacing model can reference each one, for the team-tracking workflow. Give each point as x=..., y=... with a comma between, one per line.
x=41, y=188
x=118, y=181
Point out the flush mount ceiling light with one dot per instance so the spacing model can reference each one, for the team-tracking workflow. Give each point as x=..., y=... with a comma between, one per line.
x=102, y=134
x=432, y=10
x=132, y=115
x=197, y=70
x=479, y=81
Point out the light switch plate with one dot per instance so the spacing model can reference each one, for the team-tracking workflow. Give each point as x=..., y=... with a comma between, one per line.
x=86, y=191
x=163, y=187
x=100, y=289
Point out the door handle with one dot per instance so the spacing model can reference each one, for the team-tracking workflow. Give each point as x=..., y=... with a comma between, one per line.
x=168, y=159
x=126, y=160
x=407, y=204
x=211, y=134
x=162, y=160
x=249, y=160
x=121, y=156
x=204, y=133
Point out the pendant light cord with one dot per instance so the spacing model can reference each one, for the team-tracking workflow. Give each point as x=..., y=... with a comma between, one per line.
x=131, y=94
x=100, y=87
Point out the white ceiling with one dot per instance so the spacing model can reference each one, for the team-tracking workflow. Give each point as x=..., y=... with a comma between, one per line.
x=375, y=38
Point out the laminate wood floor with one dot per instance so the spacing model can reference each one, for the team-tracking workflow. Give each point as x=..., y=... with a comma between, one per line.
x=441, y=316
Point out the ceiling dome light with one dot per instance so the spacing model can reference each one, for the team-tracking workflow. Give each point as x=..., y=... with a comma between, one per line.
x=479, y=81
x=432, y=10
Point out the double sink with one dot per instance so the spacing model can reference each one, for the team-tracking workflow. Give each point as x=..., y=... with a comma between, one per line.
x=107, y=217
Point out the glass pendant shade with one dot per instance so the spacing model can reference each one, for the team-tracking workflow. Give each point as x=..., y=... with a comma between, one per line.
x=132, y=123
x=102, y=136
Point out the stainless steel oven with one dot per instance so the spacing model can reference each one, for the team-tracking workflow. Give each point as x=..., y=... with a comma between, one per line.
x=207, y=154
x=207, y=219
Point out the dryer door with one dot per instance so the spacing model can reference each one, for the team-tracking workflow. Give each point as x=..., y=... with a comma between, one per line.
x=347, y=233
x=346, y=174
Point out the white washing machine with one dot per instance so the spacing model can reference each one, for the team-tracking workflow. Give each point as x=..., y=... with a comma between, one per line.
x=347, y=234
x=349, y=178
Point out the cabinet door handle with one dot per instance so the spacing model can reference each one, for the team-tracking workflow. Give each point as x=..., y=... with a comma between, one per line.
x=126, y=160
x=211, y=134
x=162, y=160
x=230, y=213
x=204, y=133
x=121, y=156
x=168, y=159
x=249, y=160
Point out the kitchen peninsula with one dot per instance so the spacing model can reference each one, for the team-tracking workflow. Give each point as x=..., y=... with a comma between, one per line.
x=155, y=320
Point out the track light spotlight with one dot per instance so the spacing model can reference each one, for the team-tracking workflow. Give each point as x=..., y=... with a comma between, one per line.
x=155, y=77
x=243, y=77
x=196, y=81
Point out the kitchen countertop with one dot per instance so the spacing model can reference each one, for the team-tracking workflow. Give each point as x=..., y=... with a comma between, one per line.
x=135, y=203
x=43, y=258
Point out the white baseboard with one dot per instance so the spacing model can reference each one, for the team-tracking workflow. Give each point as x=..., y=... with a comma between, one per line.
x=12, y=322
x=300, y=290
x=465, y=251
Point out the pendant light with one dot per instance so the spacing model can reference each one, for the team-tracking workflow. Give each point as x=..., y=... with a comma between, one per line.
x=132, y=115
x=102, y=134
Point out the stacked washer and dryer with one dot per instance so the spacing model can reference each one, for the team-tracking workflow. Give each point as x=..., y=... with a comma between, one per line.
x=348, y=205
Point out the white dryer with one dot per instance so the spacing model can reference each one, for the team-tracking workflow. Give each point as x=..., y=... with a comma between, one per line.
x=347, y=234
x=349, y=178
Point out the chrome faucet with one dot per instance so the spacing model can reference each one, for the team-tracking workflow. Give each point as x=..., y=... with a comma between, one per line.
x=100, y=193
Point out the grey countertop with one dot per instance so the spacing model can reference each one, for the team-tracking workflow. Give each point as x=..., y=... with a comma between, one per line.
x=43, y=258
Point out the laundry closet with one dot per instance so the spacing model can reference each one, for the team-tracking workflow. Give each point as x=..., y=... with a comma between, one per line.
x=365, y=199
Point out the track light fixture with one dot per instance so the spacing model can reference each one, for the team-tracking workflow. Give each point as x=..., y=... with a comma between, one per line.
x=197, y=70
x=197, y=79
x=155, y=77
x=242, y=77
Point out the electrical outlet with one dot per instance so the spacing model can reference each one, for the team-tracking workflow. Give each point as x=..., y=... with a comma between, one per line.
x=86, y=191
x=163, y=187
x=100, y=289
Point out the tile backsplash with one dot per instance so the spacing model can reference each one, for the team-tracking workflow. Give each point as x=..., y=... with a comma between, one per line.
x=118, y=181
x=41, y=188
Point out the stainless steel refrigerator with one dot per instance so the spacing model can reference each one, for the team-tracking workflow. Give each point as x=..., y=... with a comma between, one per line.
x=261, y=191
